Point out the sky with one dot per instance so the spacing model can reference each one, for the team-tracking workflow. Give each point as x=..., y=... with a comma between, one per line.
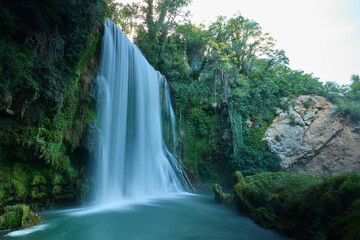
x=319, y=36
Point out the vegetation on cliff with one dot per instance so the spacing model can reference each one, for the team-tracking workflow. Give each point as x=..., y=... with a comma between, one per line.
x=302, y=206
x=227, y=79
x=350, y=104
x=47, y=67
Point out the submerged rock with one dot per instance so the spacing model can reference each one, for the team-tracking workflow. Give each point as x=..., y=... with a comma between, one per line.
x=18, y=216
x=220, y=196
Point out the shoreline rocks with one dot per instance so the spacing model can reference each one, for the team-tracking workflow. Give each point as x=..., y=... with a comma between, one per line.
x=18, y=217
x=220, y=196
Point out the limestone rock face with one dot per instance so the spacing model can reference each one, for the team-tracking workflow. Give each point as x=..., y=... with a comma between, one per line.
x=310, y=138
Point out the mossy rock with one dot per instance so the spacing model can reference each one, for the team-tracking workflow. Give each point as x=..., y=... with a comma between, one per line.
x=32, y=219
x=302, y=206
x=238, y=178
x=220, y=196
x=346, y=226
x=18, y=217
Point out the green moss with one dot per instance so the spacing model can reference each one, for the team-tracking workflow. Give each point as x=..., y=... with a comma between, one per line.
x=346, y=227
x=250, y=161
x=19, y=181
x=303, y=206
x=15, y=216
x=266, y=217
x=255, y=139
x=50, y=96
x=57, y=191
x=238, y=178
x=38, y=179
x=32, y=219
x=220, y=196
x=38, y=193
x=18, y=216
x=58, y=179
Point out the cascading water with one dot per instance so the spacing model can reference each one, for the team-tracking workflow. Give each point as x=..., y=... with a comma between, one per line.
x=134, y=162
x=168, y=116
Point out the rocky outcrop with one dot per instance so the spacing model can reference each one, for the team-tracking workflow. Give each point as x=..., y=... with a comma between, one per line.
x=18, y=217
x=220, y=196
x=311, y=138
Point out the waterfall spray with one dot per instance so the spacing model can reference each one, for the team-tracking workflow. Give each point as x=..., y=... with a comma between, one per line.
x=134, y=163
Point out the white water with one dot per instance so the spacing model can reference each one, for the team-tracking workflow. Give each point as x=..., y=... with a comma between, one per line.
x=134, y=163
x=27, y=231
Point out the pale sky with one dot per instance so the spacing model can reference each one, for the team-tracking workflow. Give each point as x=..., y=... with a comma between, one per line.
x=318, y=36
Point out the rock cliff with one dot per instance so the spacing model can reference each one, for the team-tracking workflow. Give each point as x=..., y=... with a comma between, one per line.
x=48, y=61
x=312, y=139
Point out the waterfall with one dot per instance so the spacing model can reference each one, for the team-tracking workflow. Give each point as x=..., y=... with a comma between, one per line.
x=168, y=116
x=134, y=162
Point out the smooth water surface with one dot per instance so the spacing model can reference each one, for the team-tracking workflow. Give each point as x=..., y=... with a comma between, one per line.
x=179, y=217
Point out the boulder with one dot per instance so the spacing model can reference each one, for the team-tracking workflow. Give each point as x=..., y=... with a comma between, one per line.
x=220, y=196
x=18, y=216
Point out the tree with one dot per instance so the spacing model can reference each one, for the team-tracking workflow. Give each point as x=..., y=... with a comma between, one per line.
x=123, y=15
x=158, y=19
x=245, y=38
x=355, y=86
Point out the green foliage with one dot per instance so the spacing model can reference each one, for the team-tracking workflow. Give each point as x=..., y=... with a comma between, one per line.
x=309, y=103
x=237, y=128
x=222, y=76
x=18, y=217
x=46, y=63
x=14, y=216
x=355, y=86
x=292, y=119
x=122, y=15
x=346, y=226
x=220, y=196
x=157, y=18
x=302, y=206
x=349, y=106
x=201, y=121
x=38, y=179
x=250, y=161
x=350, y=109
x=255, y=139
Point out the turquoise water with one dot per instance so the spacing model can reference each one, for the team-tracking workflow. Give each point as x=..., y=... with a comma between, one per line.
x=186, y=216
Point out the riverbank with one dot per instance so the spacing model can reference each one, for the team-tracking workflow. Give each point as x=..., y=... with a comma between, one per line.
x=302, y=206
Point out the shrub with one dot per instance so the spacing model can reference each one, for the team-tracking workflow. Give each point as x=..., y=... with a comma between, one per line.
x=292, y=120
x=277, y=138
x=309, y=103
x=250, y=161
x=351, y=110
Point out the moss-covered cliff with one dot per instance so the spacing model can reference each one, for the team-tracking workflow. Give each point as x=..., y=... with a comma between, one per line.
x=301, y=206
x=48, y=58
